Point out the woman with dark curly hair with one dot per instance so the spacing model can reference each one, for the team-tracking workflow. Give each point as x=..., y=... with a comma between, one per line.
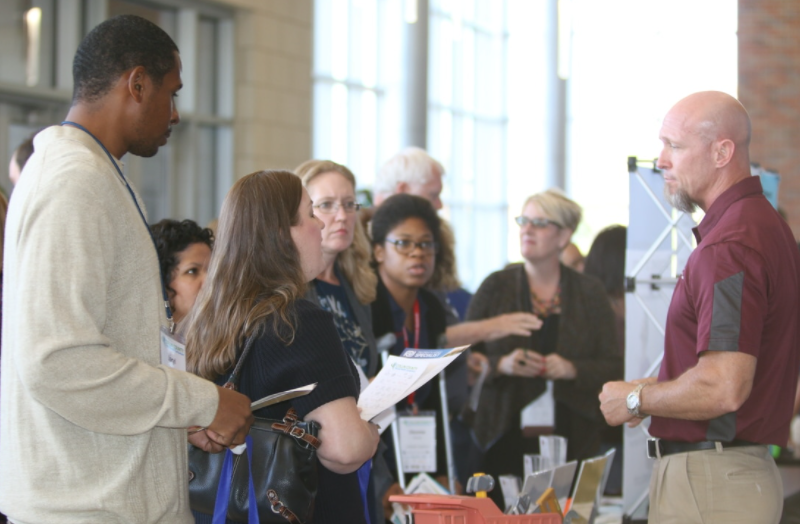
x=406, y=236
x=184, y=251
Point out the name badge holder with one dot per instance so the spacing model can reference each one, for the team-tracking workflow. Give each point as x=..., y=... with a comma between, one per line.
x=173, y=350
x=417, y=432
x=395, y=428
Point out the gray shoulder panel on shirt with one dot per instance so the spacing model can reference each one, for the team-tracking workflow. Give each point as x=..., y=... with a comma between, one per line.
x=726, y=316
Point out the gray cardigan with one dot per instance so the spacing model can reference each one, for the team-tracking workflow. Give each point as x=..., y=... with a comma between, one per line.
x=363, y=314
x=586, y=337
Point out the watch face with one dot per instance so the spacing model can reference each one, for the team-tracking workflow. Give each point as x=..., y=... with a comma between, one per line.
x=632, y=401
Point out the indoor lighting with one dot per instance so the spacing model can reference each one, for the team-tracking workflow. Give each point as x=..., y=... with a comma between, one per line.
x=33, y=21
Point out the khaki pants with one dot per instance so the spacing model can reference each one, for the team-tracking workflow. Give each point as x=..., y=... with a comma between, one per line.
x=736, y=485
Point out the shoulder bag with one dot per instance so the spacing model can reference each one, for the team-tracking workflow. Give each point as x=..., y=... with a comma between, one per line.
x=277, y=476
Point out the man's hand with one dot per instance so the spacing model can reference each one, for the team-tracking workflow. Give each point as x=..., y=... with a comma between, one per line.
x=614, y=405
x=200, y=440
x=521, y=363
x=521, y=324
x=233, y=419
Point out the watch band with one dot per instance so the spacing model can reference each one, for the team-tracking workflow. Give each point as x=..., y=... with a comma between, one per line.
x=637, y=392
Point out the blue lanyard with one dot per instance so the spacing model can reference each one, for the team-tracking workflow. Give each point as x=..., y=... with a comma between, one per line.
x=136, y=203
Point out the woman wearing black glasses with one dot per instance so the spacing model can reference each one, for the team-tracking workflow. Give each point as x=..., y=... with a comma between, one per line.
x=564, y=364
x=405, y=239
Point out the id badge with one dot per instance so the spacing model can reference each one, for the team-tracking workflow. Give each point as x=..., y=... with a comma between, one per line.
x=173, y=350
x=541, y=413
x=418, y=442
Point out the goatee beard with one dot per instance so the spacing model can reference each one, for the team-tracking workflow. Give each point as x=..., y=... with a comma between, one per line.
x=680, y=200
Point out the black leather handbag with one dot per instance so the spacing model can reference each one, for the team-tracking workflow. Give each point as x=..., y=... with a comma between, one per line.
x=284, y=473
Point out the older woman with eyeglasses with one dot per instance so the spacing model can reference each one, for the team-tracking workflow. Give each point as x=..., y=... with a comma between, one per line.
x=575, y=349
x=346, y=286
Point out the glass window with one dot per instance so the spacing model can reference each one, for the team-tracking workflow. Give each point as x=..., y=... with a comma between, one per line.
x=356, y=77
x=181, y=181
x=159, y=16
x=467, y=126
x=26, y=40
x=190, y=176
x=624, y=75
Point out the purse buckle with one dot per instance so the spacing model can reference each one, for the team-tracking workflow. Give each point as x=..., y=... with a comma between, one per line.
x=297, y=432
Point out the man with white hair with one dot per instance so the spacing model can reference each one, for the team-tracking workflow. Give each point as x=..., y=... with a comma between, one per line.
x=415, y=172
x=411, y=171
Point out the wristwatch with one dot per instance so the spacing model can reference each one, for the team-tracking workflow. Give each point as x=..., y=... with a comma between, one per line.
x=634, y=401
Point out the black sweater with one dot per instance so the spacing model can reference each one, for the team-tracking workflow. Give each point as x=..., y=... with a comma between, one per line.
x=316, y=355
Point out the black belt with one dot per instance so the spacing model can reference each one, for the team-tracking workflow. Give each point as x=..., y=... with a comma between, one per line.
x=670, y=447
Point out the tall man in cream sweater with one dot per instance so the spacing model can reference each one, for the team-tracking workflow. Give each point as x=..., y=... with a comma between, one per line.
x=92, y=425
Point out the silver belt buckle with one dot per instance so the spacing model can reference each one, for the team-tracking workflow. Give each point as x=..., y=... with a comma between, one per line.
x=653, y=449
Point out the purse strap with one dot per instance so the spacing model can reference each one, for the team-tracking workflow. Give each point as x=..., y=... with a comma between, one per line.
x=233, y=379
x=225, y=484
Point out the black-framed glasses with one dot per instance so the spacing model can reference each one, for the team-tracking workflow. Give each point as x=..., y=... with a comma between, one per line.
x=538, y=223
x=406, y=247
x=330, y=207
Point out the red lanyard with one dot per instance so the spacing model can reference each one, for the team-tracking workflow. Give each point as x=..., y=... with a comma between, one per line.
x=416, y=327
x=416, y=340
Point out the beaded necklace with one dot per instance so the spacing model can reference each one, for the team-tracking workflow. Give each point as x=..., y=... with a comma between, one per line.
x=545, y=308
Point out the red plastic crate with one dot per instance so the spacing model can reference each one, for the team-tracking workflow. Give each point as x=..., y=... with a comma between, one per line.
x=447, y=509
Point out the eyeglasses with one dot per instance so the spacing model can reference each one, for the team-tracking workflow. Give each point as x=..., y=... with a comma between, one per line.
x=406, y=247
x=538, y=223
x=330, y=207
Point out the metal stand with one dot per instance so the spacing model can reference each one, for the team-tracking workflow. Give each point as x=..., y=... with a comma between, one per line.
x=659, y=244
x=448, y=443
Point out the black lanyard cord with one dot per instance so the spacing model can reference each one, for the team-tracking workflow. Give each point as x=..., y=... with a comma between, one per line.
x=139, y=209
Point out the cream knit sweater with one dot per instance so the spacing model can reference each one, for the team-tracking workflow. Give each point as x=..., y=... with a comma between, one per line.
x=91, y=425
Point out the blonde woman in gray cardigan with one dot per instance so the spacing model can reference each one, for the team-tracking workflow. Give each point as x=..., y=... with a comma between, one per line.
x=575, y=348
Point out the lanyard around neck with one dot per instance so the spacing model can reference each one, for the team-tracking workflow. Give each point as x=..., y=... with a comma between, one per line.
x=139, y=209
x=411, y=397
x=416, y=327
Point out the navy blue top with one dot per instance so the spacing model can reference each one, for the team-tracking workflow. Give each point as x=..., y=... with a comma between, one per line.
x=333, y=299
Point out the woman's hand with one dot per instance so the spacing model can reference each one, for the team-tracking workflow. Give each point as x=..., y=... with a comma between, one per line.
x=557, y=367
x=521, y=363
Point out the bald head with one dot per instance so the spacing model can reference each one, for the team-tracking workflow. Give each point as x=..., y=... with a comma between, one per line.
x=706, y=138
x=715, y=116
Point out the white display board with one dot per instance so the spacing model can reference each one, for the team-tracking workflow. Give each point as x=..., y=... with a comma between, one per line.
x=659, y=243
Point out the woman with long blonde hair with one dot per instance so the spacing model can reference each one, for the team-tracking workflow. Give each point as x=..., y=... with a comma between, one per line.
x=268, y=246
x=346, y=285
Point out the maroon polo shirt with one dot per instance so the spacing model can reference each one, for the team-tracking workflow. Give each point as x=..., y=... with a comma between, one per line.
x=740, y=291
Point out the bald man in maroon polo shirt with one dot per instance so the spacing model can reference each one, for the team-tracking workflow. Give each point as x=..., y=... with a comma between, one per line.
x=726, y=385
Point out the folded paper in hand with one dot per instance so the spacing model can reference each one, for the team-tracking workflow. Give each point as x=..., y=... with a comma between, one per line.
x=403, y=375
